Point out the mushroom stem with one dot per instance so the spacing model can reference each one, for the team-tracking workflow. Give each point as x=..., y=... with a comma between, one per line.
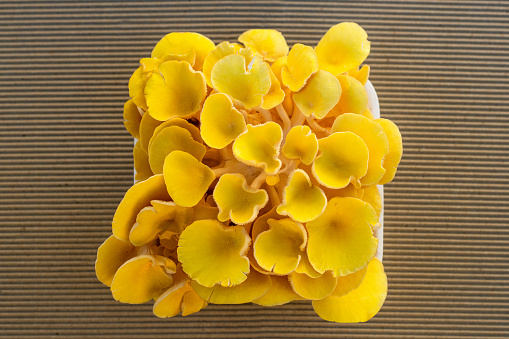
x=259, y=180
x=287, y=124
x=265, y=114
x=273, y=195
x=290, y=167
x=314, y=125
x=231, y=166
x=298, y=117
x=226, y=153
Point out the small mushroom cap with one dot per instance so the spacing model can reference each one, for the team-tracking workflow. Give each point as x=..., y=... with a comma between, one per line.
x=341, y=238
x=354, y=98
x=141, y=279
x=392, y=159
x=220, y=51
x=141, y=164
x=173, y=138
x=195, y=131
x=302, y=200
x=313, y=288
x=280, y=293
x=184, y=43
x=221, y=122
x=177, y=91
x=277, y=67
x=137, y=83
x=301, y=144
x=359, y=305
x=300, y=64
x=236, y=200
x=254, y=287
x=148, y=126
x=361, y=74
x=349, y=282
x=132, y=118
x=161, y=216
x=275, y=95
x=372, y=196
x=279, y=249
x=343, y=47
x=180, y=297
x=212, y=253
x=343, y=159
x=243, y=80
x=319, y=96
x=137, y=197
x=259, y=146
x=267, y=43
x=375, y=139
x=112, y=254
x=186, y=178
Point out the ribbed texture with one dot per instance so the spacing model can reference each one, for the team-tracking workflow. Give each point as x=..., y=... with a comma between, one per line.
x=441, y=72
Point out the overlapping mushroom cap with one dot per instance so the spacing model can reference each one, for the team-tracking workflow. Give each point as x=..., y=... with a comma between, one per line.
x=257, y=168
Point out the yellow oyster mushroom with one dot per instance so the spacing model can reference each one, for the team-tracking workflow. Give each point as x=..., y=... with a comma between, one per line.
x=354, y=98
x=212, y=253
x=343, y=159
x=268, y=43
x=151, y=64
x=254, y=287
x=392, y=159
x=236, y=200
x=275, y=95
x=359, y=305
x=319, y=96
x=349, y=282
x=259, y=146
x=361, y=74
x=138, y=196
x=195, y=131
x=137, y=83
x=372, y=196
x=243, y=80
x=221, y=122
x=373, y=136
x=177, y=91
x=171, y=139
x=132, y=118
x=367, y=113
x=301, y=144
x=161, y=216
x=180, y=297
x=220, y=51
x=279, y=249
x=184, y=43
x=147, y=127
x=302, y=200
x=142, y=278
x=305, y=267
x=313, y=288
x=300, y=64
x=186, y=178
x=261, y=223
x=341, y=239
x=343, y=47
x=112, y=254
x=280, y=293
x=277, y=67
x=141, y=164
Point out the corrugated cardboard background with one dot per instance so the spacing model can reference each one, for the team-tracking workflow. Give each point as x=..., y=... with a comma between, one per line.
x=441, y=72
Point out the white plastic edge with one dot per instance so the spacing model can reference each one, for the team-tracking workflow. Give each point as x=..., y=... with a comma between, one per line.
x=374, y=107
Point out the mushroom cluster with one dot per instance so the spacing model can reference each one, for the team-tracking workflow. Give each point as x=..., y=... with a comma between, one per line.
x=256, y=177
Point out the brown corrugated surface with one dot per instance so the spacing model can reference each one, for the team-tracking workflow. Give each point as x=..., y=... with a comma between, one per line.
x=441, y=72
